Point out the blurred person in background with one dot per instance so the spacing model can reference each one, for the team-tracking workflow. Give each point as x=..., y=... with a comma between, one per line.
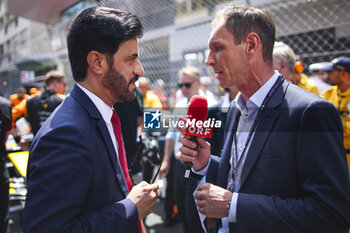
x=18, y=97
x=338, y=75
x=158, y=89
x=5, y=124
x=38, y=108
x=318, y=76
x=77, y=177
x=284, y=60
x=189, y=85
x=150, y=100
x=204, y=87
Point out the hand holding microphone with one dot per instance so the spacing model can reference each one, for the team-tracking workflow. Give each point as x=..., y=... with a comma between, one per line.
x=196, y=116
x=197, y=154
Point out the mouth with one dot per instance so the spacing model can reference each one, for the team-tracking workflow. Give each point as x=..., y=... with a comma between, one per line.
x=219, y=75
x=133, y=80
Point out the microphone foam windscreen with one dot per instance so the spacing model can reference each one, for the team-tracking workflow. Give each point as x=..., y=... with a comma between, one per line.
x=198, y=108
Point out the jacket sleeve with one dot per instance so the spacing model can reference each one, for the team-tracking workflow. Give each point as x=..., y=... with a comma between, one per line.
x=59, y=175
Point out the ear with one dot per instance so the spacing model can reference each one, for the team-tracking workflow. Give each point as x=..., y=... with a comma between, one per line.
x=283, y=65
x=253, y=43
x=97, y=62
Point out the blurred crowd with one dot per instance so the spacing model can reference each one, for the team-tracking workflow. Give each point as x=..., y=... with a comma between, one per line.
x=29, y=109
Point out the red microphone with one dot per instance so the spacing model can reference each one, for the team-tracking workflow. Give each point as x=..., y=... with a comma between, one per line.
x=196, y=115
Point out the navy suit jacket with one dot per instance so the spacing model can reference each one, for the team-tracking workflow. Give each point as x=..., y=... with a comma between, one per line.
x=75, y=183
x=295, y=176
x=217, y=140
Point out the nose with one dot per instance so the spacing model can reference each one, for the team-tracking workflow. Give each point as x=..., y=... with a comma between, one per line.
x=139, y=69
x=210, y=60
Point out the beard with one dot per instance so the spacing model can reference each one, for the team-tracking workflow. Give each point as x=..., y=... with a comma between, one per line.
x=116, y=84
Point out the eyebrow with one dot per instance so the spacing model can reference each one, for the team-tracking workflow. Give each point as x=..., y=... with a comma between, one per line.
x=213, y=43
x=132, y=57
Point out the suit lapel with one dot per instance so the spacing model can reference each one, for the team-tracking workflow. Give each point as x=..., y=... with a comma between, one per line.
x=89, y=106
x=263, y=130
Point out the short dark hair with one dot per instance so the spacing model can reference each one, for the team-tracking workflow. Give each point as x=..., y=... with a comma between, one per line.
x=101, y=29
x=241, y=20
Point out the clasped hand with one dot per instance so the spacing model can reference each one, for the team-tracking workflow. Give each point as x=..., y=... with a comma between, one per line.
x=213, y=201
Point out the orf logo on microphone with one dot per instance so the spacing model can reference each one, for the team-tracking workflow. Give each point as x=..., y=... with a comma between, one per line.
x=151, y=119
x=197, y=128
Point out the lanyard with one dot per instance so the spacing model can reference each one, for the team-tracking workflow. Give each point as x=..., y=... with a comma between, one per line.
x=273, y=89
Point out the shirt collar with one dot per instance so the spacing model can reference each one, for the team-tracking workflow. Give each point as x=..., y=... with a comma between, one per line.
x=225, y=102
x=256, y=100
x=105, y=110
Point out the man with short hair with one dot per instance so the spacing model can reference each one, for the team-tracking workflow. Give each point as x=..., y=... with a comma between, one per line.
x=282, y=168
x=77, y=177
x=284, y=60
x=38, y=108
x=338, y=75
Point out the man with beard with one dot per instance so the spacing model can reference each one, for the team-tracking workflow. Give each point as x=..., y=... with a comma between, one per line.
x=78, y=179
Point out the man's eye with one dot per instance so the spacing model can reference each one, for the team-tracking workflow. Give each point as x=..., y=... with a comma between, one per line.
x=217, y=48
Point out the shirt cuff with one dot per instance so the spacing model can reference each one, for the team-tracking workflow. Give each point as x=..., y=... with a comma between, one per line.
x=204, y=171
x=232, y=214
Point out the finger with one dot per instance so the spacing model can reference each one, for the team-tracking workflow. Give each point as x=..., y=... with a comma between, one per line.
x=203, y=143
x=200, y=203
x=151, y=187
x=186, y=158
x=154, y=194
x=203, y=186
x=198, y=195
x=185, y=140
x=143, y=183
x=188, y=151
x=202, y=210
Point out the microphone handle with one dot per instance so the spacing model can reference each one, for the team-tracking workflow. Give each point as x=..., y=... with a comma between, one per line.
x=188, y=165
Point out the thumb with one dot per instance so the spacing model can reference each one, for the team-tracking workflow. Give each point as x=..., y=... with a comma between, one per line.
x=202, y=142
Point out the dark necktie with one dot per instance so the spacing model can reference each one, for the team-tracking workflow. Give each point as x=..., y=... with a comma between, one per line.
x=122, y=158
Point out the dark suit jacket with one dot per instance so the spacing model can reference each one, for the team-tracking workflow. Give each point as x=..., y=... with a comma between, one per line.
x=75, y=183
x=295, y=176
x=217, y=139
